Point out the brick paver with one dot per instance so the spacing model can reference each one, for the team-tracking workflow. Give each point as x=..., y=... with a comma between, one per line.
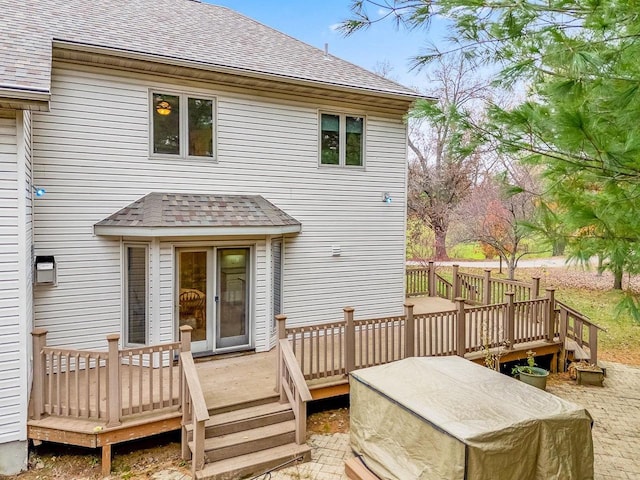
x=615, y=409
x=328, y=453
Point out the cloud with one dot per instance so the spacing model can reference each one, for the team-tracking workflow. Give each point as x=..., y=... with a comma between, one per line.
x=334, y=27
x=382, y=12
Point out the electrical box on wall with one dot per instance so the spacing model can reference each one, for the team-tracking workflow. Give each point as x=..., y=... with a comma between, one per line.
x=45, y=273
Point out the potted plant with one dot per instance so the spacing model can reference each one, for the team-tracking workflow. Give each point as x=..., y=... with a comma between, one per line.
x=529, y=373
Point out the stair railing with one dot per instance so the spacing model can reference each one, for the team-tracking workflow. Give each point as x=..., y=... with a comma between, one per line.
x=293, y=388
x=194, y=407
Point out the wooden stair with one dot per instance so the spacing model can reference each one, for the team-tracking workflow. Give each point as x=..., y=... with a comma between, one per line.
x=249, y=440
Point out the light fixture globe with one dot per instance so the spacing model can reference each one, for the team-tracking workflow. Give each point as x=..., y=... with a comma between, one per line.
x=163, y=108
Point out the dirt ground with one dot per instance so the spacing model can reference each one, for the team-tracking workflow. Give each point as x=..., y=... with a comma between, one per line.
x=140, y=460
x=131, y=461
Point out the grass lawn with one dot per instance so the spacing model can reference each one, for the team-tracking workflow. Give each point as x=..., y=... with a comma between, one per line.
x=621, y=341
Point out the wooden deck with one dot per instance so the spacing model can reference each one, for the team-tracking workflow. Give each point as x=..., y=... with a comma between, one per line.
x=97, y=399
x=227, y=381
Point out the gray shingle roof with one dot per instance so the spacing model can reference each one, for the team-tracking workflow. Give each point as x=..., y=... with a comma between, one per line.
x=162, y=210
x=174, y=29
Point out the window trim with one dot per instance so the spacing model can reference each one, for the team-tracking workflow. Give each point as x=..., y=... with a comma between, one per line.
x=125, y=290
x=184, y=124
x=342, y=139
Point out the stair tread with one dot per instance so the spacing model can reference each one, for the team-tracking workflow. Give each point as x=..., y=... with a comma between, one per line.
x=247, y=413
x=579, y=353
x=272, y=456
x=245, y=436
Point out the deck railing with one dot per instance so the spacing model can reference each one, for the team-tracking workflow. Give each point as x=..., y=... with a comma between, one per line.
x=374, y=341
x=106, y=385
x=579, y=328
x=474, y=288
x=378, y=340
x=435, y=333
x=194, y=407
x=293, y=387
x=318, y=348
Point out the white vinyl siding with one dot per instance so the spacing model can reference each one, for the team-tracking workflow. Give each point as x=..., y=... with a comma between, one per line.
x=93, y=160
x=15, y=274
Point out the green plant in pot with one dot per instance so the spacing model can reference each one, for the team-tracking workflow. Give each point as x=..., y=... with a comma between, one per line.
x=531, y=374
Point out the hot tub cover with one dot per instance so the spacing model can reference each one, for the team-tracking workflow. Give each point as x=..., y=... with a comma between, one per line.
x=448, y=418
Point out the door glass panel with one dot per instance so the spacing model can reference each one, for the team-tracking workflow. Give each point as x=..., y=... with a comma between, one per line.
x=192, y=294
x=232, y=310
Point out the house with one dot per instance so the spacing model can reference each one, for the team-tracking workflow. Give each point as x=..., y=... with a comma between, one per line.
x=171, y=162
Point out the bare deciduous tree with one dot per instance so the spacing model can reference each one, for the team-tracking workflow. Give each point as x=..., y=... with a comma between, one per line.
x=445, y=161
x=495, y=212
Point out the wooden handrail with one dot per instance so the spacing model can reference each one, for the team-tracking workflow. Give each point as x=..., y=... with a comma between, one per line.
x=194, y=410
x=199, y=406
x=581, y=316
x=297, y=378
x=293, y=388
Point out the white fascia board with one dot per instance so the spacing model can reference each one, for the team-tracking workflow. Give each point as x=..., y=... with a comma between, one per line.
x=25, y=94
x=183, y=231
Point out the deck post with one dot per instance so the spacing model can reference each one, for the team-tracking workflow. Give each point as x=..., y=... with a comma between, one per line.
x=593, y=344
x=39, y=336
x=511, y=320
x=114, y=408
x=550, y=314
x=461, y=327
x=185, y=346
x=185, y=338
x=409, y=331
x=486, y=288
x=432, y=280
x=349, y=341
x=535, y=289
x=281, y=325
x=456, y=283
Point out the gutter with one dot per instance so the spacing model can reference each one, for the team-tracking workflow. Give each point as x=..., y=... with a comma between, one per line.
x=21, y=93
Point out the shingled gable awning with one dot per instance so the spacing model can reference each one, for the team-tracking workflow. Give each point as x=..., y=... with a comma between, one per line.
x=188, y=215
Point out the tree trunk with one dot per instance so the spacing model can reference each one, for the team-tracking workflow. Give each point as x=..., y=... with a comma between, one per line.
x=600, y=265
x=511, y=267
x=439, y=243
x=558, y=248
x=617, y=279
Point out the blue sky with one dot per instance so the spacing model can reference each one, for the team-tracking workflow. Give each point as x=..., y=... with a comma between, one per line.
x=313, y=22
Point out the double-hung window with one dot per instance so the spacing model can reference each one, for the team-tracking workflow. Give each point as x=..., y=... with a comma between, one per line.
x=341, y=140
x=182, y=125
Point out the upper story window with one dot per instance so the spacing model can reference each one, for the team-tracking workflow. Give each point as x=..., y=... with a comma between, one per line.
x=182, y=125
x=341, y=140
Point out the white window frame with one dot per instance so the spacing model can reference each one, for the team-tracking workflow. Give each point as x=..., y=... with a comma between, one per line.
x=342, y=139
x=280, y=240
x=184, y=124
x=125, y=292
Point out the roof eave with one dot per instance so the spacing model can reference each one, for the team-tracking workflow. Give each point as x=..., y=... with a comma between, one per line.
x=27, y=98
x=193, y=231
x=180, y=62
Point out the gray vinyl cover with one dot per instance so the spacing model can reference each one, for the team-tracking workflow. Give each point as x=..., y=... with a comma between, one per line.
x=448, y=418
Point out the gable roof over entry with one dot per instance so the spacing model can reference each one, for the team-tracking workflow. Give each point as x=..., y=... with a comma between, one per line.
x=186, y=215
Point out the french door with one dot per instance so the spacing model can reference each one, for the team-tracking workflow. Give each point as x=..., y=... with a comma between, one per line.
x=214, y=296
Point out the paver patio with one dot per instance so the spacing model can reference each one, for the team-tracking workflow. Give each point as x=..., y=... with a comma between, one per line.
x=615, y=409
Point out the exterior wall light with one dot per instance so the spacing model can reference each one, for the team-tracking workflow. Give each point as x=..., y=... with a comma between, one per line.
x=386, y=197
x=163, y=108
x=39, y=191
